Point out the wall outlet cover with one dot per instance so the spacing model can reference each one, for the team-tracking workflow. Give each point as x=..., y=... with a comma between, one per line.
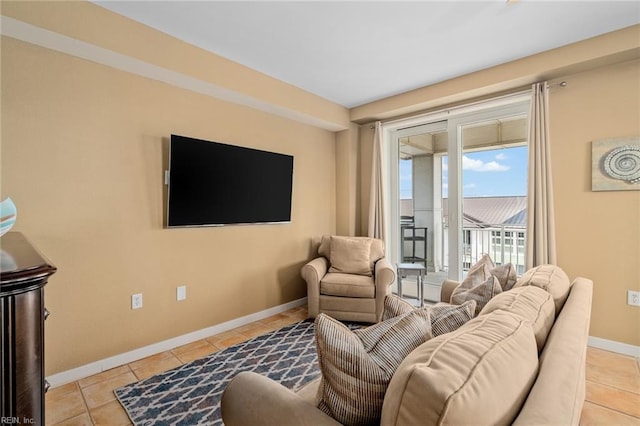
x=181, y=292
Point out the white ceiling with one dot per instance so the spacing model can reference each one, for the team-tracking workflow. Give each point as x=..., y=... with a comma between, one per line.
x=359, y=51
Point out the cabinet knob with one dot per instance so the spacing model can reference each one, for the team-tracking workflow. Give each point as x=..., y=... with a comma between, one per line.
x=46, y=313
x=47, y=385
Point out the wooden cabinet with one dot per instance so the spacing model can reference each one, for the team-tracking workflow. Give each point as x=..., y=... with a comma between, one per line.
x=23, y=275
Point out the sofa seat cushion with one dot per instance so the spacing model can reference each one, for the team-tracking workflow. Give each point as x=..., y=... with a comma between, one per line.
x=531, y=303
x=348, y=285
x=481, y=372
x=357, y=366
x=550, y=278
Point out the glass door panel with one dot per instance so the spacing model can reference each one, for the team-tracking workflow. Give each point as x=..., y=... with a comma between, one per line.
x=493, y=190
x=418, y=228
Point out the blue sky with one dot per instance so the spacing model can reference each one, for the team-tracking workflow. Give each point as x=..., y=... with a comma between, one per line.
x=494, y=172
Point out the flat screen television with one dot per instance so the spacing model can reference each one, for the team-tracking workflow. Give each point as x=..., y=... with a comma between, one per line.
x=215, y=184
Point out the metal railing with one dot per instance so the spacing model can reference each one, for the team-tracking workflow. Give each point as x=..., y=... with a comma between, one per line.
x=504, y=244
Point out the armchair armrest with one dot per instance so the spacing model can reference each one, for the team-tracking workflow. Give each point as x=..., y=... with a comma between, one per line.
x=252, y=399
x=447, y=289
x=312, y=273
x=384, y=275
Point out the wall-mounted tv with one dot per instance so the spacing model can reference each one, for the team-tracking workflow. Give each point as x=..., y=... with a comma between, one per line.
x=215, y=184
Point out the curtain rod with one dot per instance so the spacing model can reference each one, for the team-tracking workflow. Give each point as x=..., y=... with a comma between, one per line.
x=471, y=104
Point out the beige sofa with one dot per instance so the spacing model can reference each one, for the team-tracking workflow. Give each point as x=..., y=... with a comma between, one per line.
x=512, y=383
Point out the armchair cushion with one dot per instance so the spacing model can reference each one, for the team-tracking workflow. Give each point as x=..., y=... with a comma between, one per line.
x=376, y=251
x=350, y=255
x=347, y=285
x=361, y=363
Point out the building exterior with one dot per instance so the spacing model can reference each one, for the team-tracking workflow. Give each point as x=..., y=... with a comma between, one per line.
x=491, y=225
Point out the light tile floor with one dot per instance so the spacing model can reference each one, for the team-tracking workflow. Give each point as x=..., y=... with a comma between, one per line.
x=613, y=381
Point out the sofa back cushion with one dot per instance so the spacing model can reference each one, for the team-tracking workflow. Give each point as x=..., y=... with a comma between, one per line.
x=531, y=303
x=481, y=372
x=550, y=278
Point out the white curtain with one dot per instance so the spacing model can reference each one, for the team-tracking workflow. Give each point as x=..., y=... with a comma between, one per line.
x=541, y=238
x=376, y=197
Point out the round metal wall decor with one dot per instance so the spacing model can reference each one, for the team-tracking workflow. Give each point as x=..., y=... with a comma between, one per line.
x=623, y=163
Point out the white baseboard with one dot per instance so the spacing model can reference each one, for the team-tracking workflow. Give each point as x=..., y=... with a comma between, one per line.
x=136, y=354
x=612, y=346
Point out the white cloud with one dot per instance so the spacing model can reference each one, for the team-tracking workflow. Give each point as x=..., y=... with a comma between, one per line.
x=481, y=166
x=502, y=156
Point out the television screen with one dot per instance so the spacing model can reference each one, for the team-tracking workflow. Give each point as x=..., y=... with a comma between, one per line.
x=212, y=184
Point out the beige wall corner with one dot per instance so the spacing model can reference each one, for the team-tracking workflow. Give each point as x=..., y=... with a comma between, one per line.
x=614, y=47
x=347, y=190
x=106, y=33
x=367, y=132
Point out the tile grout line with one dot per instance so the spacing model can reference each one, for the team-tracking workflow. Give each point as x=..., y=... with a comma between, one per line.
x=611, y=409
x=86, y=405
x=607, y=406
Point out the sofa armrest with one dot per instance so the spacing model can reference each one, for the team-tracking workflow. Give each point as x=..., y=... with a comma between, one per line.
x=312, y=273
x=558, y=395
x=253, y=399
x=447, y=289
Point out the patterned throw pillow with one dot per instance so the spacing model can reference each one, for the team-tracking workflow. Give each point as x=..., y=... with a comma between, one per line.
x=485, y=260
x=395, y=305
x=446, y=317
x=506, y=275
x=357, y=366
x=481, y=293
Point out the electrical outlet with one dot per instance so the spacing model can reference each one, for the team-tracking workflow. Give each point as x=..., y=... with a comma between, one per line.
x=633, y=298
x=181, y=292
x=136, y=301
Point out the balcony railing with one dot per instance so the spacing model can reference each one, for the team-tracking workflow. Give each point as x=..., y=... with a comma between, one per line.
x=504, y=244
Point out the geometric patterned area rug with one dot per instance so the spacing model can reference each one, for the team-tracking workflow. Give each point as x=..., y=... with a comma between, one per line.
x=190, y=395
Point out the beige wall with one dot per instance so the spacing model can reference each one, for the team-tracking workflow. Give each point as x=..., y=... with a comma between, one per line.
x=598, y=232
x=82, y=157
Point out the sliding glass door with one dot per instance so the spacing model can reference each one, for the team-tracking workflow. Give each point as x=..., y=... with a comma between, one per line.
x=458, y=189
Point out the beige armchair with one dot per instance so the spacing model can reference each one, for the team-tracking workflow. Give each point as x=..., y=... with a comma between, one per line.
x=349, y=280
